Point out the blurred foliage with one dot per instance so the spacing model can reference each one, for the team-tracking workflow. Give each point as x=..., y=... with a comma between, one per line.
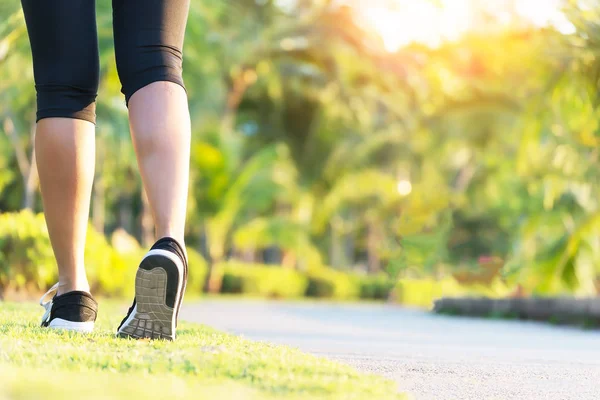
x=328, y=283
x=262, y=280
x=27, y=262
x=423, y=292
x=26, y=257
x=276, y=282
x=305, y=127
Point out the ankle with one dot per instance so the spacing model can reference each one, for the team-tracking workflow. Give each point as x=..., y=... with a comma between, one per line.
x=66, y=286
x=176, y=234
x=180, y=241
x=178, y=238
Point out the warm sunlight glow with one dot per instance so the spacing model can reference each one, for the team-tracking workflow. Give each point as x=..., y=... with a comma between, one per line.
x=404, y=187
x=401, y=22
x=417, y=21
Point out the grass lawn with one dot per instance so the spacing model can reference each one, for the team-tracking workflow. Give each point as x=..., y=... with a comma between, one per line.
x=202, y=364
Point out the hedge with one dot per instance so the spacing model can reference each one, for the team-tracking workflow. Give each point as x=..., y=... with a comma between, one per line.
x=377, y=287
x=320, y=282
x=27, y=262
x=329, y=283
x=424, y=292
x=262, y=280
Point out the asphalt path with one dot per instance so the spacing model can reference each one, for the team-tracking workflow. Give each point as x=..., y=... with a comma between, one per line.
x=429, y=356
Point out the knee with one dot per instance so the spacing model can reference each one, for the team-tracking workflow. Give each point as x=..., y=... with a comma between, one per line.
x=148, y=64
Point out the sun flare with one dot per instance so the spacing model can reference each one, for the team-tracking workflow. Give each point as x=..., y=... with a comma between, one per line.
x=431, y=22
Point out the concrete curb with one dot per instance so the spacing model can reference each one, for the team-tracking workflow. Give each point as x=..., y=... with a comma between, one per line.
x=558, y=310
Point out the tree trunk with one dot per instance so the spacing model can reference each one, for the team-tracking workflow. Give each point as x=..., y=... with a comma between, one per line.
x=288, y=260
x=374, y=262
x=336, y=256
x=32, y=183
x=236, y=90
x=27, y=166
x=99, y=191
x=147, y=222
x=349, y=249
x=210, y=267
x=214, y=280
x=99, y=204
x=228, y=122
x=249, y=256
x=125, y=214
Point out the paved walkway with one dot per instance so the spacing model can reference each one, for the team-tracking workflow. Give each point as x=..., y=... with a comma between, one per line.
x=429, y=356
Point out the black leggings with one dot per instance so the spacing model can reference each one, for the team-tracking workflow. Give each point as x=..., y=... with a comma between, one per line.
x=64, y=43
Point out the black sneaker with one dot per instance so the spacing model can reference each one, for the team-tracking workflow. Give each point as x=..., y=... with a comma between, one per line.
x=159, y=287
x=74, y=311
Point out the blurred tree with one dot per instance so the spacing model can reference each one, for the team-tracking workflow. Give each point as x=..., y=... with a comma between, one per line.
x=558, y=247
x=311, y=138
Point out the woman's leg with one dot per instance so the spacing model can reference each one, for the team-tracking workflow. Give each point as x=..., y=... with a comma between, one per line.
x=64, y=150
x=148, y=42
x=160, y=127
x=65, y=59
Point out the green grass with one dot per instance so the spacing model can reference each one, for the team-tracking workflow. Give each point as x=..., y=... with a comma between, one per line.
x=202, y=364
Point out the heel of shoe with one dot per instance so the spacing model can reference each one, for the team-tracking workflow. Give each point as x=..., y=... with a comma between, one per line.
x=81, y=327
x=158, y=285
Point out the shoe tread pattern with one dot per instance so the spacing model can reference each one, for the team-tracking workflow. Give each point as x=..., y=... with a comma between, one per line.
x=153, y=318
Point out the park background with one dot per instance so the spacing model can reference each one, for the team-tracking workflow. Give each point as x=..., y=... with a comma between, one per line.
x=388, y=150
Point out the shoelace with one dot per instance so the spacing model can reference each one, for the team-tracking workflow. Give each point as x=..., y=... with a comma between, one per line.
x=48, y=304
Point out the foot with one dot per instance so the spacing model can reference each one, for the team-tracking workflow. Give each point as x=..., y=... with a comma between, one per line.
x=74, y=311
x=159, y=287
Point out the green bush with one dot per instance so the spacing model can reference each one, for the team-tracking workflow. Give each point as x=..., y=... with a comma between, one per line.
x=329, y=283
x=419, y=292
x=376, y=287
x=320, y=287
x=26, y=258
x=27, y=261
x=262, y=280
x=110, y=273
x=197, y=271
x=423, y=292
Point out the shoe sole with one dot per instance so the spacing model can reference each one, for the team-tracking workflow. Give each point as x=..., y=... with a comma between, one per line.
x=152, y=317
x=63, y=324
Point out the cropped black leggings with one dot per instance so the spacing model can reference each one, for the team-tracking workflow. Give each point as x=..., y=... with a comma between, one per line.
x=148, y=38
